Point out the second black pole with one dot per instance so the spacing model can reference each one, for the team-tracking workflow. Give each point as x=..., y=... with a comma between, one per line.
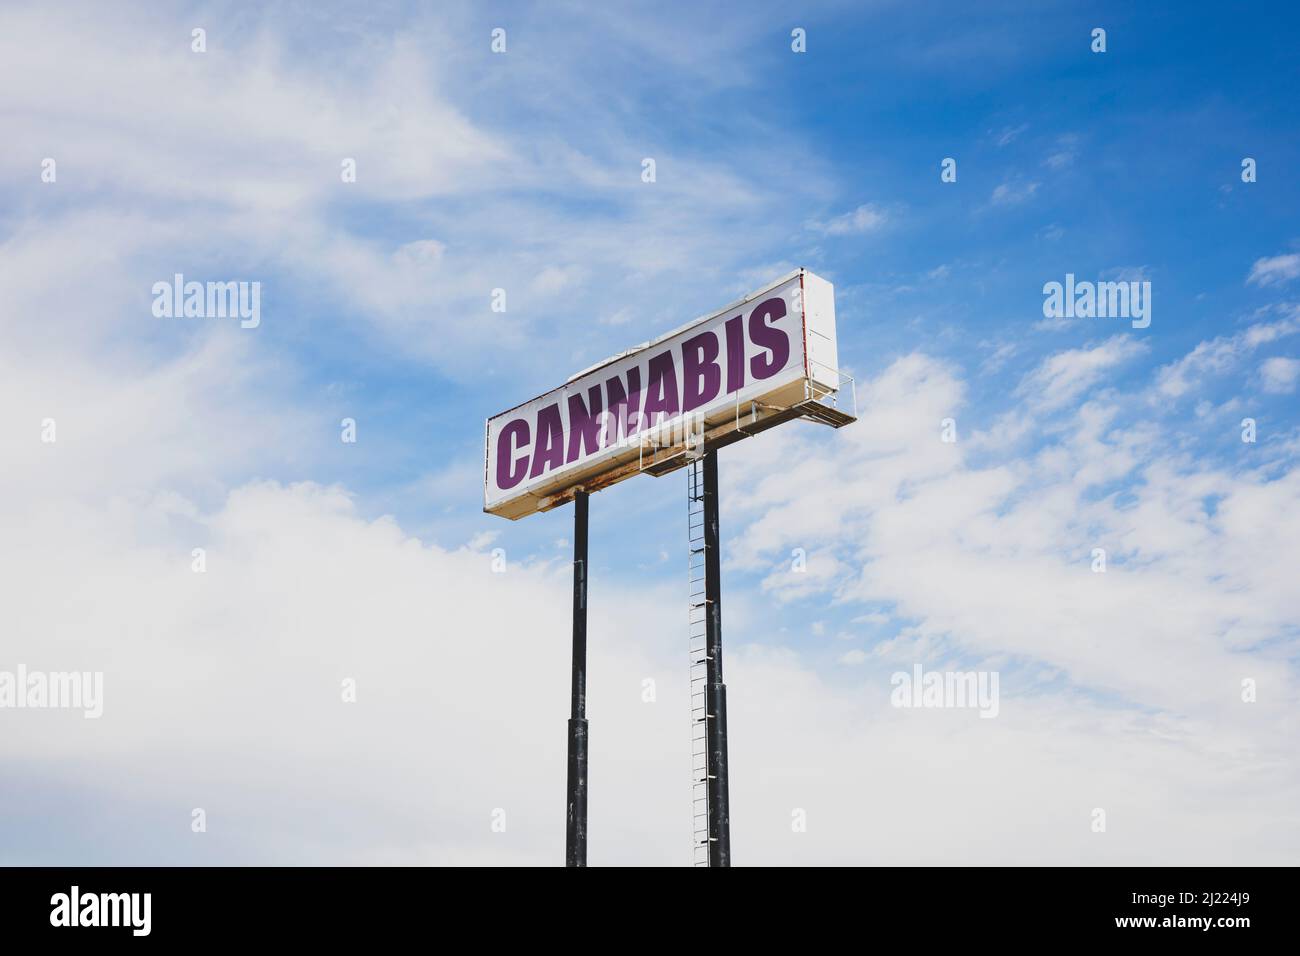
x=715, y=691
x=575, y=835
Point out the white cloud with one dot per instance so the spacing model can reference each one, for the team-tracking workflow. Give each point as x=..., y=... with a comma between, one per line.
x=1064, y=376
x=1127, y=274
x=223, y=688
x=246, y=181
x=1054, y=324
x=1219, y=355
x=1064, y=152
x=1279, y=375
x=1009, y=134
x=1013, y=193
x=996, y=560
x=1274, y=270
x=868, y=217
x=619, y=317
x=556, y=279
x=1002, y=354
x=268, y=135
x=815, y=571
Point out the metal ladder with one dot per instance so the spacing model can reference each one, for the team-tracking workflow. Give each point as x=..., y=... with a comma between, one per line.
x=698, y=650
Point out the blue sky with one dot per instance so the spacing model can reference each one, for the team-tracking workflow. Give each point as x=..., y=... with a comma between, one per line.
x=522, y=171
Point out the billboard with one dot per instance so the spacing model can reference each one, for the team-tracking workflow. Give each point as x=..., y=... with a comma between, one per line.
x=764, y=359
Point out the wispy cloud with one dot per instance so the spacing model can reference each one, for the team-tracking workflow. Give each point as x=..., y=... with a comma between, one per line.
x=1062, y=378
x=868, y=217
x=1009, y=134
x=1013, y=192
x=1063, y=152
x=1274, y=270
x=1221, y=354
x=1279, y=374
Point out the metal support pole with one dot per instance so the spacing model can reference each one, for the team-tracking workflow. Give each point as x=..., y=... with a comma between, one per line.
x=575, y=835
x=715, y=690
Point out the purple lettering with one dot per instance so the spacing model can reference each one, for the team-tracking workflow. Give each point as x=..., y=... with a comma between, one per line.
x=768, y=337
x=701, y=377
x=624, y=404
x=661, y=390
x=735, y=354
x=514, y=435
x=584, y=424
x=549, y=450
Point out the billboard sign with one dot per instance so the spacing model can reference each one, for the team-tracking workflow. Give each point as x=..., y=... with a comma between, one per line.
x=723, y=376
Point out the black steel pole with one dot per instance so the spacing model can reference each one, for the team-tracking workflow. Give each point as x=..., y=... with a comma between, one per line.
x=575, y=836
x=716, y=690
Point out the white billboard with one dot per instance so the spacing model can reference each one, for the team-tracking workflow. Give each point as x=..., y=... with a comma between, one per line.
x=745, y=367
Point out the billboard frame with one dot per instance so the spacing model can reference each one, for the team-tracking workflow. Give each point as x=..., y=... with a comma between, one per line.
x=808, y=385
